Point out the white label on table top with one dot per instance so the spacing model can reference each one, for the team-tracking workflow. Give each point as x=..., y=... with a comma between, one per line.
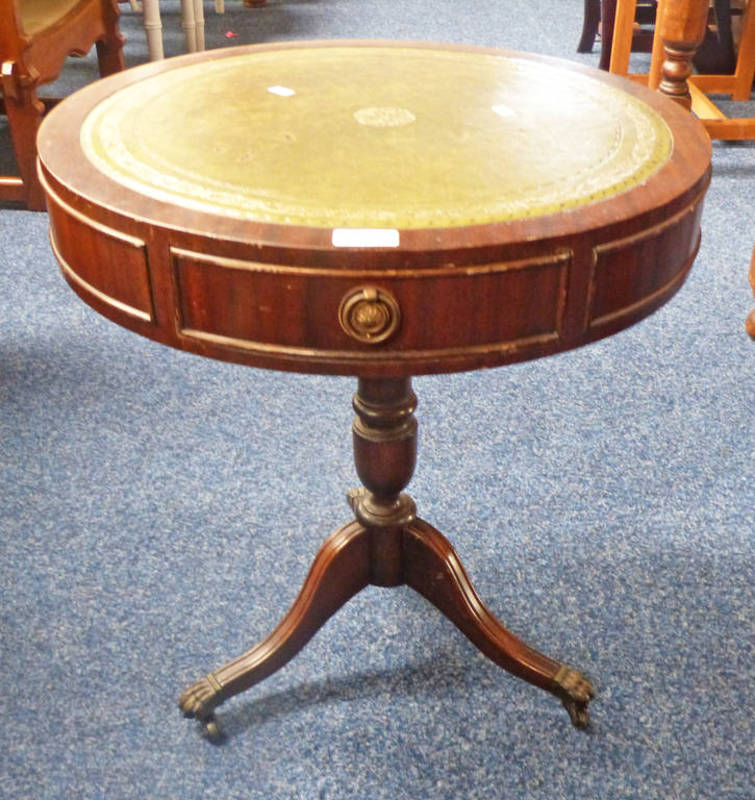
x=365, y=237
x=281, y=91
x=504, y=111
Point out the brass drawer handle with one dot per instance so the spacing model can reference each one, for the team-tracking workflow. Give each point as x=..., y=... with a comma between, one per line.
x=369, y=314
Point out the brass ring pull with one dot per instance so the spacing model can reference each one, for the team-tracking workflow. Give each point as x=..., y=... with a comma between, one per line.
x=369, y=314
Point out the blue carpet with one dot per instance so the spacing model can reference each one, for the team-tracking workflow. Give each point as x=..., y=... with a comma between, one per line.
x=159, y=512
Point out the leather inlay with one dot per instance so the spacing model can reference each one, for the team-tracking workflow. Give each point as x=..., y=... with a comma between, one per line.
x=415, y=138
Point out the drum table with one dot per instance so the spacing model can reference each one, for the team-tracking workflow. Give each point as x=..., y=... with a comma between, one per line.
x=381, y=210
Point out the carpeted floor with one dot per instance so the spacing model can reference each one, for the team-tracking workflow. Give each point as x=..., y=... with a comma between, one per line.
x=159, y=512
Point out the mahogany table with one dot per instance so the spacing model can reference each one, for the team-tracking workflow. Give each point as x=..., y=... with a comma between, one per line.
x=381, y=210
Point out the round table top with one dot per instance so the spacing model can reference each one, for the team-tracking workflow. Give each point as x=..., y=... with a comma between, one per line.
x=372, y=137
x=365, y=166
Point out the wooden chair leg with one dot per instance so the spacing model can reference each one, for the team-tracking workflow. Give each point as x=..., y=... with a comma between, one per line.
x=189, y=23
x=608, y=19
x=656, y=58
x=153, y=28
x=199, y=22
x=24, y=111
x=623, y=30
x=683, y=28
x=110, y=47
x=745, y=74
x=590, y=25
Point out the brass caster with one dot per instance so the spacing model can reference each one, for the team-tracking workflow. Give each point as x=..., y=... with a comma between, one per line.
x=578, y=713
x=211, y=729
x=575, y=692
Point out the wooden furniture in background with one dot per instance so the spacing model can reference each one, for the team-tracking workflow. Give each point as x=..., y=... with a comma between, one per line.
x=739, y=85
x=590, y=26
x=681, y=27
x=192, y=21
x=36, y=37
x=715, y=54
x=599, y=15
x=375, y=229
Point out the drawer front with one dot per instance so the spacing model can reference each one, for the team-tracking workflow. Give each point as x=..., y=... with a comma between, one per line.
x=107, y=267
x=640, y=270
x=369, y=314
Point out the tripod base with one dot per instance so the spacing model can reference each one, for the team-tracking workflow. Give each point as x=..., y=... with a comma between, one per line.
x=386, y=546
x=356, y=556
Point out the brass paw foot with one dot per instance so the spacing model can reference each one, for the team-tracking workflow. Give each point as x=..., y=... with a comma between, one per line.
x=575, y=692
x=200, y=700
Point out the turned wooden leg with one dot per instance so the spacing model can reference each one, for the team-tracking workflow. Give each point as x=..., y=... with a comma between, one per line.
x=340, y=570
x=607, y=22
x=432, y=567
x=682, y=28
x=199, y=20
x=24, y=111
x=153, y=29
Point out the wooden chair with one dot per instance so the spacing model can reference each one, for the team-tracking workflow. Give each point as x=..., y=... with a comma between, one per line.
x=36, y=37
x=192, y=20
x=714, y=55
x=679, y=32
x=597, y=11
x=681, y=29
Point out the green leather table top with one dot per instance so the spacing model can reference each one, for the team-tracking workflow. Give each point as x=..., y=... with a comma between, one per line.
x=375, y=137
